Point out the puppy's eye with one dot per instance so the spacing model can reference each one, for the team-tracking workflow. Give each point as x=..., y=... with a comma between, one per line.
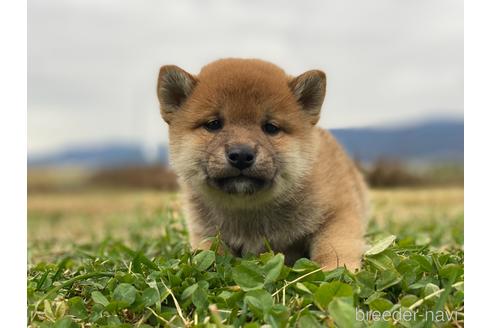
x=271, y=129
x=213, y=125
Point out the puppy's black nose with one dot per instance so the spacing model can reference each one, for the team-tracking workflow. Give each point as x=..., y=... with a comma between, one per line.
x=241, y=156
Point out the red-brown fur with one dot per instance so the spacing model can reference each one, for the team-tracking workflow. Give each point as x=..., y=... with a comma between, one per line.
x=313, y=202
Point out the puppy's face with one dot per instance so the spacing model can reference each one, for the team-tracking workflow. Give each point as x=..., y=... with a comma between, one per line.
x=241, y=128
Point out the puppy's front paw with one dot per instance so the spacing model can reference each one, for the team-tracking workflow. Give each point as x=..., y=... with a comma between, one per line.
x=329, y=263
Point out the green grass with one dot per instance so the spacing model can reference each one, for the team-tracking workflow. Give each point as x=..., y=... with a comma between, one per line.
x=152, y=278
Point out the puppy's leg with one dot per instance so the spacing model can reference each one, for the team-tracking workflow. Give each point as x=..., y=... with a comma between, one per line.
x=339, y=242
x=197, y=241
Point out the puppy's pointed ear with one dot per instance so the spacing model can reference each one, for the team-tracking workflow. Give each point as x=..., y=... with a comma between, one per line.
x=309, y=90
x=174, y=86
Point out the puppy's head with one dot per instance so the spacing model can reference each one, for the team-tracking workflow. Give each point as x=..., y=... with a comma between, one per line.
x=241, y=128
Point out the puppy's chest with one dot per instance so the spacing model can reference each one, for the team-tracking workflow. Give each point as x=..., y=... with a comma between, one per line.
x=249, y=231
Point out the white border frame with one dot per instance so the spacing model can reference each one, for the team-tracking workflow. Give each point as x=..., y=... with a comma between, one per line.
x=13, y=181
x=478, y=161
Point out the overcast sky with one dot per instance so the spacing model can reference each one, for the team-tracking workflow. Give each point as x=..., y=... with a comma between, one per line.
x=93, y=64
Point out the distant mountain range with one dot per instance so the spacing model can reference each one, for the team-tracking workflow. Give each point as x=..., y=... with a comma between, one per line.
x=105, y=155
x=430, y=142
x=420, y=143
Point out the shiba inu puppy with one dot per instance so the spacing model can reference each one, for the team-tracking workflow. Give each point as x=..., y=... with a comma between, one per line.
x=253, y=166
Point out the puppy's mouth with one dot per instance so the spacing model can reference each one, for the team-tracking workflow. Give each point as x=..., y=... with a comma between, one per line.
x=239, y=184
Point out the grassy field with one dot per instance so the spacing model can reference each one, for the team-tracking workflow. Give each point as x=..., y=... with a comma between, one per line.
x=120, y=259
